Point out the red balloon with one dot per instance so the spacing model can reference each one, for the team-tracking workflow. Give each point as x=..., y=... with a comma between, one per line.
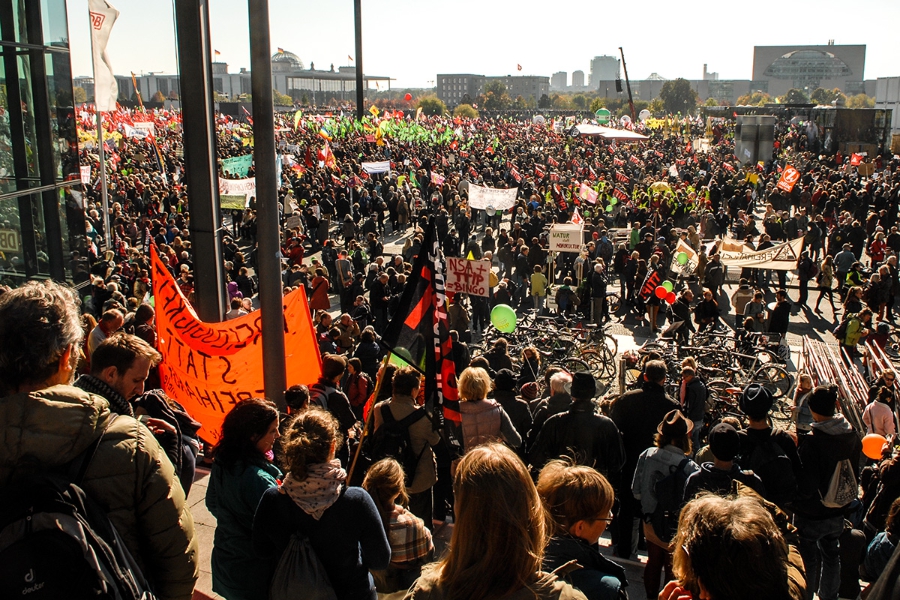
x=407, y=97
x=661, y=292
x=671, y=298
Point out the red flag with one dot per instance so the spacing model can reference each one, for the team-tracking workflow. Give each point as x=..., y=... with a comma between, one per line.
x=622, y=178
x=463, y=154
x=519, y=67
x=538, y=173
x=855, y=159
x=552, y=162
x=473, y=172
x=249, y=118
x=554, y=177
x=620, y=194
x=788, y=179
x=417, y=162
x=419, y=333
x=618, y=162
x=454, y=145
x=591, y=174
x=728, y=167
x=635, y=159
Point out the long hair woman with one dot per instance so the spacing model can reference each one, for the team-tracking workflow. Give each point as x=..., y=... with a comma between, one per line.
x=342, y=523
x=411, y=543
x=499, y=537
x=242, y=471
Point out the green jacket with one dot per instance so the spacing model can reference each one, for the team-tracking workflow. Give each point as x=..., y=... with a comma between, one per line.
x=854, y=331
x=232, y=497
x=130, y=476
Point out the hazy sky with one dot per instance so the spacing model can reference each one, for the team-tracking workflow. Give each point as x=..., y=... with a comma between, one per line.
x=412, y=41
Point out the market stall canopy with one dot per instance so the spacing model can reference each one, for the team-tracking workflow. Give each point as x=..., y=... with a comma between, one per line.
x=608, y=132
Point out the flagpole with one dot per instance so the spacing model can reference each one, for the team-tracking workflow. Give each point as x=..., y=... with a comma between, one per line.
x=378, y=381
x=103, y=191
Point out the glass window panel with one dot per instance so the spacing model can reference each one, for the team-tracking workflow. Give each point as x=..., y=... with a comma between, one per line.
x=19, y=27
x=30, y=130
x=7, y=169
x=12, y=259
x=54, y=23
x=62, y=116
x=40, y=236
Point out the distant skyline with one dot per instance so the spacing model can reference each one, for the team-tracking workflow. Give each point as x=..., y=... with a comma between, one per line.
x=412, y=42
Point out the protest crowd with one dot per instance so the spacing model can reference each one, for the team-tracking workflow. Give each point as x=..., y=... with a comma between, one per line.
x=551, y=478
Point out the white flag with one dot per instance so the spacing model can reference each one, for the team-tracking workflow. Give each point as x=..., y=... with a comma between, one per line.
x=106, y=90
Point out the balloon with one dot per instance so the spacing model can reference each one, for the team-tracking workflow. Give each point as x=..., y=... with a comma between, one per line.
x=610, y=208
x=668, y=285
x=503, y=317
x=644, y=115
x=872, y=445
x=670, y=297
x=661, y=292
x=407, y=97
x=682, y=258
x=613, y=200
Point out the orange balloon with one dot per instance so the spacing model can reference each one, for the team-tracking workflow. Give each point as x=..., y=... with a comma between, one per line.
x=872, y=445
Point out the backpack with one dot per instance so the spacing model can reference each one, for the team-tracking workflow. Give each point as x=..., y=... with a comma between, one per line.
x=318, y=394
x=842, y=488
x=669, y=492
x=840, y=332
x=768, y=460
x=56, y=542
x=300, y=573
x=605, y=250
x=392, y=440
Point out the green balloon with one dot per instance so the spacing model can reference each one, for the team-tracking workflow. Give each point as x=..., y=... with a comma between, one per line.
x=613, y=201
x=503, y=317
x=682, y=258
x=668, y=285
x=610, y=208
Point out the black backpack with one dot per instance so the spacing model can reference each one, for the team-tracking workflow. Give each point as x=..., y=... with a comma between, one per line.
x=392, y=440
x=55, y=542
x=669, y=492
x=768, y=460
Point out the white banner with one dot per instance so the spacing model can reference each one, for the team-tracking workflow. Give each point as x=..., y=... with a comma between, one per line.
x=237, y=187
x=373, y=168
x=86, y=174
x=137, y=133
x=102, y=17
x=782, y=257
x=566, y=237
x=468, y=276
x=485, y=197
x=692, y=262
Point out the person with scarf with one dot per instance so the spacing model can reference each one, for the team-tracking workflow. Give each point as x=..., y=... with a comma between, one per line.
x=242, y=471
x=342, y=523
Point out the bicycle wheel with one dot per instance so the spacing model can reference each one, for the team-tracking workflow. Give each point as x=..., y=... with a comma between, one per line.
x=613, y=302
x=632, y=377
x=775, y=379
x=573, y=365
x=603, y=366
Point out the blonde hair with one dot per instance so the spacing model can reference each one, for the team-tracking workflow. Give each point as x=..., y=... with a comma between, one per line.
x=573, y=493
x=310, y=439
x=498, y=542
x=474, y=384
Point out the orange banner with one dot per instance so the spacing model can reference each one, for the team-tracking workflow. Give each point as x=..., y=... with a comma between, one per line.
x=209, y=367
x=789, y=178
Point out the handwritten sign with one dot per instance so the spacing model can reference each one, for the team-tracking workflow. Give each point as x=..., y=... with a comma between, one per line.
x=209, y=367
x=237, y=165
x=468, y=276
x=485, y=197
x=237, y=187
x=566, y=237
x=782, y=257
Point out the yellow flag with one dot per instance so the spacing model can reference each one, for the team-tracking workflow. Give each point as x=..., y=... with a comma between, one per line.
x=374, y=111
x=297, y=116
x=470, y=256
x=418, y=113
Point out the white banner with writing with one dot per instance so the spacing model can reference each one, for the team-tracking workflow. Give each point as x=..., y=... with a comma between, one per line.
x=468, y=276
x=497, y=199
x=373, y=168
x=566, y=237
x=237, y=187
x=782, y=257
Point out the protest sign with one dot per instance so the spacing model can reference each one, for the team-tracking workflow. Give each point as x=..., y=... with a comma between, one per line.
x=681, y=265
x=237, y=187
x=86, y=174
x=498, y=199
x=789, y=178
x=373, y=168
x=209, y=367
x=237, y=165
x=566, y=237
x=468, y=276
x=232, y=202
x=782, y=257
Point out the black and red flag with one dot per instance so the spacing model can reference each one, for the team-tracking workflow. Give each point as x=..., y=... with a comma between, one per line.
x=419, y=332
x=651, y=282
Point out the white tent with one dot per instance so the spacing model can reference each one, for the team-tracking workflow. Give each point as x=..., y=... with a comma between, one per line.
x=609, y=133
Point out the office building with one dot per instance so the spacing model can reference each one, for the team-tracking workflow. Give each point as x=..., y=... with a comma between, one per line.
x=777, y=69
x=453, y=88
x=527, y=86
x=577, y=79
x=41, y=217
x=559, y=81
x=603, y=68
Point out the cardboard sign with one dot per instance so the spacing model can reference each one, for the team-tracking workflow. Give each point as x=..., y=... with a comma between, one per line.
x=210, y=367
x=468, y=276
x=566, y=237
x=789, y=179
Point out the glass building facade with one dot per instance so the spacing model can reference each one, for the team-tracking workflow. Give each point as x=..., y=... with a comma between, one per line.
x=41, y=216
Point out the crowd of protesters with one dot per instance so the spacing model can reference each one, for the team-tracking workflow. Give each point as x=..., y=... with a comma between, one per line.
x=545, y=466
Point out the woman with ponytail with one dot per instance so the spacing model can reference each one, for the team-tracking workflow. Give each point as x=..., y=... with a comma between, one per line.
x=242, y=470
x=342, y=523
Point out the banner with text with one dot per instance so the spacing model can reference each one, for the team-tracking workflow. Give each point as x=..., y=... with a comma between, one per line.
x=498, y=199
x=566, y=237
x=209, y=367
x=782, y=257
x=237, y=165
x=237, y=187
x=789, y=179
x=468, y=276
x=373, y=168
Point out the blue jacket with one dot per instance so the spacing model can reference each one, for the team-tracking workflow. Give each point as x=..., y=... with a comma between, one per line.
x=238, y=573
x=598, y=578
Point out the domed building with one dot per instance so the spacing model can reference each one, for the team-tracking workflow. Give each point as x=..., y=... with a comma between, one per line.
x=284, y=61
x=777, y=69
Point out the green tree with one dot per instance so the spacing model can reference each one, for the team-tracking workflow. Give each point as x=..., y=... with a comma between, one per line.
x=677, y=96
x=496, y=86
x=173, y=95
x=794, y=96
x=530, y=102
x=157, y=97
x=597, y=104
x=544, y=102
x=280, y=99
x=432, y=105
x=860, y=101
x=580, y=101
x=466, y=99
x=79, y=94
x=657, y=107
x=465, y=111
x=304, y=99
x=710, y=102
x=496, y=96
x=561, y=102
x=756, y=98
